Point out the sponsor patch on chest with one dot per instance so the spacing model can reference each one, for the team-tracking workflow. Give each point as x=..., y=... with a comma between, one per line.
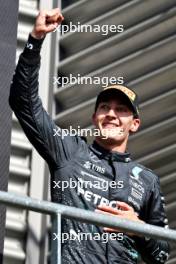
x=91, y=166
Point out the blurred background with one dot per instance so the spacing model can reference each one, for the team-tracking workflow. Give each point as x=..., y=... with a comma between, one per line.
x=144, y=54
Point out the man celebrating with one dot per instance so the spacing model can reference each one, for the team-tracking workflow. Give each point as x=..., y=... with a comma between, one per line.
x=132, y=191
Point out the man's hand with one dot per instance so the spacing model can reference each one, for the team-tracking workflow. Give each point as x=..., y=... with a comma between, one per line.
x=46, y=22
x=123, y=211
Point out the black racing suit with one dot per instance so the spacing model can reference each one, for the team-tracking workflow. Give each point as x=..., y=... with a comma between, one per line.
x=89, y=171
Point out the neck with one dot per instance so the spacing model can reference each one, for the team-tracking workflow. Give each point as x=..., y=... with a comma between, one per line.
x=111, y=145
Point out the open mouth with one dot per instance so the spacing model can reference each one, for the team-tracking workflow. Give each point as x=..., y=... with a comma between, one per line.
x=111, y=130
x=109, y=125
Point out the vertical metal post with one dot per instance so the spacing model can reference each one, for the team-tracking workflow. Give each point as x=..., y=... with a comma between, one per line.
x=56, y=239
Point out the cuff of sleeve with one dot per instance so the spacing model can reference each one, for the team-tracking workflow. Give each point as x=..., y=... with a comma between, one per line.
x=33, y=48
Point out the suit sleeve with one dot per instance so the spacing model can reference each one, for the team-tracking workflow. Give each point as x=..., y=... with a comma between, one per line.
x=155, y=251
x=27, y=106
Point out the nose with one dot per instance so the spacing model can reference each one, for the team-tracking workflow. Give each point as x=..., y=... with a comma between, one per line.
x=111, y=113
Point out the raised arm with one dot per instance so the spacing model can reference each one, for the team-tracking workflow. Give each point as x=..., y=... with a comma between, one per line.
x=24, y=99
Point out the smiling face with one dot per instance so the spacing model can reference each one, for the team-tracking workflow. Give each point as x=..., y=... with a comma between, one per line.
x=115, y=119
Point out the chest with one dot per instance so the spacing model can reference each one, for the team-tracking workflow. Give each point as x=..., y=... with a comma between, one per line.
x=100, y=182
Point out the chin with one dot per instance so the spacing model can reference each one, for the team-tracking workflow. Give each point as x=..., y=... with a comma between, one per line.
x=112, y=134
x=112, y=140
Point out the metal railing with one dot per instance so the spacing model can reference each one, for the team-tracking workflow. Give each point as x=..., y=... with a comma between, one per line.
x=82, y=215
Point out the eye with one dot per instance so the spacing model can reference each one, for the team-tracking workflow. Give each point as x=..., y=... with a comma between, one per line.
x=104, y=107
x=122, y=108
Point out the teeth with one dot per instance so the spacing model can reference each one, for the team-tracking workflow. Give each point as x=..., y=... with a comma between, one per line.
x=110, y=125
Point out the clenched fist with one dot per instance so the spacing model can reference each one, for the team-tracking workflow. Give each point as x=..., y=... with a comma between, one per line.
x=46, y=22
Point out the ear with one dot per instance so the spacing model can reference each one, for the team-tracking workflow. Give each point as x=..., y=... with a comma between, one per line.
x=135, y=125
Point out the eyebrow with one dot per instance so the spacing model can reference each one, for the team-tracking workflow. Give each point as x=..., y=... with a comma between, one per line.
x=120, y=104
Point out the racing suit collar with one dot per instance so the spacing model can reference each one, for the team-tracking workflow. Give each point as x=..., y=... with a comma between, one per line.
x=106, y=154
